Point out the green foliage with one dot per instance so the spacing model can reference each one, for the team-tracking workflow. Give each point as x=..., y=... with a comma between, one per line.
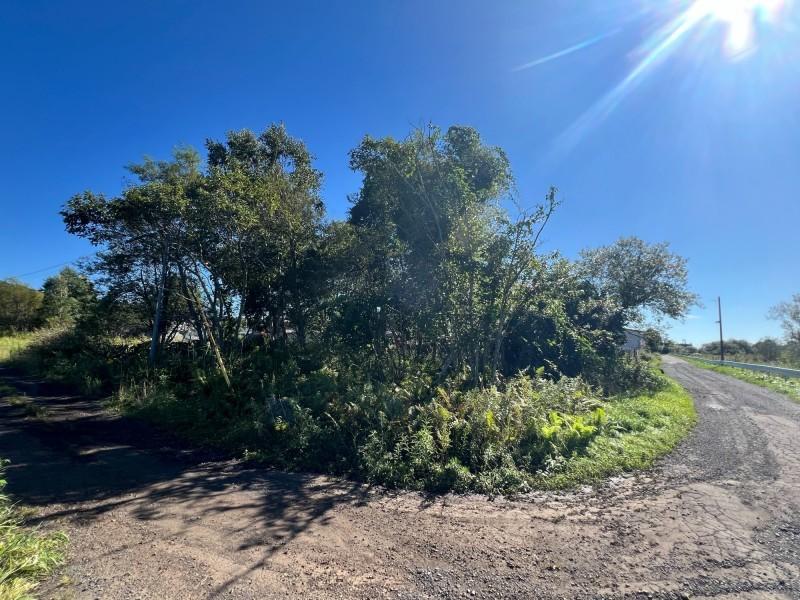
x=525, y=432
x=784, y=385
x=25, y=556
x=87, y=363
x=627, y=374
x=490, y=440
x=19, y=306
x=11, y=345
x=425, y=342
x=788, y=313
x=441, y=269
x=641, y=427
x=767, y=351
x=643, y=279
x=67, y=297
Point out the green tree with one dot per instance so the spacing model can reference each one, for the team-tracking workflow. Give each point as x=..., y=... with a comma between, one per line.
x=257, y=224
x=654, y=339
x=645, y=280
x=767, y=349
x=788, y=313
x=442, y=267
x=227, y=250
x=566, y=327
x=67, y=297
x=733, y=347
x=19, y=306
x=142, y=234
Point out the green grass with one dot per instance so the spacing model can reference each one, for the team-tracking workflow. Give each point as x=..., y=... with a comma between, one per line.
x=784, y=385
x=10, y=344
x=784, y=361
x=646, y=427
x=26, y=556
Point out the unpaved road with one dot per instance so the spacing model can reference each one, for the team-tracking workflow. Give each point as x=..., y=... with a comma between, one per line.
x=719, y=518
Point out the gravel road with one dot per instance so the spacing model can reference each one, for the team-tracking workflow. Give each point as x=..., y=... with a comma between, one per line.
x=719, y=518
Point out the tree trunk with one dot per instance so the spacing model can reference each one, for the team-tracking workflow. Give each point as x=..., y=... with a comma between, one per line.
x=198, y=325
x=212, y=342
x=154, y=339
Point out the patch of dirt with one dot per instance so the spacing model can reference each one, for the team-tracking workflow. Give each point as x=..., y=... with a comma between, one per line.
x=719, y=518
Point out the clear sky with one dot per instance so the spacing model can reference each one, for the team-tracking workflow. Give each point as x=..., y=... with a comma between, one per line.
x=676, y=121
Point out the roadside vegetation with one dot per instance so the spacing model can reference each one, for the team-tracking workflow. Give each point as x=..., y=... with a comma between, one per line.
x=785, y=385
x=767, y=351
x=426, y=341
x=26, y=556
x=12, y=344
x=643, y=427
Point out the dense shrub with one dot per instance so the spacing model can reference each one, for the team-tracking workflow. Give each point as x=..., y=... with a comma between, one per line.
x=87, y=363
x=621, y=374
x=294, y=411
x=485, y=439
x=425, y=341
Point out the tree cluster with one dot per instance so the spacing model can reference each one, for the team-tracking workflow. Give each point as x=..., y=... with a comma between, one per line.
x=63, y=300
x=429, y=273
x=424, y=341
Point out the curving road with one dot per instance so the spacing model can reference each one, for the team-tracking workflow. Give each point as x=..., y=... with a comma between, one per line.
x=719, y=518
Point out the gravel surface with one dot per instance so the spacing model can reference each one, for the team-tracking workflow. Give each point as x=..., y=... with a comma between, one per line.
x=719, y=518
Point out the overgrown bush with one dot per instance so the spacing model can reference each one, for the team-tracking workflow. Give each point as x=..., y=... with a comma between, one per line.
x=624, y=374
x=296, y=410
x=489, y=440
x=67, y=355
x=425, y=341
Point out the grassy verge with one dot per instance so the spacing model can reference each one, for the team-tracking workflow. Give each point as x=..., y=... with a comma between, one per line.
x=10, y=344
x=637, y=430
x=783, y=361
x=26, y=556
x=784, y=385
x=643, y=428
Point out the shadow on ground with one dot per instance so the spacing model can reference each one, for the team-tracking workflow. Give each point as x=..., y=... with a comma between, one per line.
x=86, y=462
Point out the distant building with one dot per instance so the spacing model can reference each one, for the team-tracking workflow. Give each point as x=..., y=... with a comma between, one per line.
x=634, y=342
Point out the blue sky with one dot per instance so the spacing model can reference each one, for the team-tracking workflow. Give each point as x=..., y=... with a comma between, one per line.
x=700, y=148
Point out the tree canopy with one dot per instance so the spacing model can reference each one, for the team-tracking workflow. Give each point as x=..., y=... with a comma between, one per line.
x=67, y=297
x=19, y=306
x=642, y=279
x=430, y=273
x=788, y=313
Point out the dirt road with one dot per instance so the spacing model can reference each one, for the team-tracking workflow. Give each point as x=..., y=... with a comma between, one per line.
x=719, y=518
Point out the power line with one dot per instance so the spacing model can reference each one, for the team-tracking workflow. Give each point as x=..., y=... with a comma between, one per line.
x=43, y=269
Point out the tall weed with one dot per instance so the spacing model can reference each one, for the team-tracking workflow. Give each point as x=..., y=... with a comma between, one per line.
x=25, y=556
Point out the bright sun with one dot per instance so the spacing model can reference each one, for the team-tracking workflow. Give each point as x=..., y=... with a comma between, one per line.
x=686, y=25
x=741, y=18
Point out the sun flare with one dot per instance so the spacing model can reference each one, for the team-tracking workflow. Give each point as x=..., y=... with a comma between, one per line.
x=741, y=17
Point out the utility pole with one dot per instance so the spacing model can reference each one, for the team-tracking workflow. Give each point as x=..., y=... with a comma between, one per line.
x=721, y=344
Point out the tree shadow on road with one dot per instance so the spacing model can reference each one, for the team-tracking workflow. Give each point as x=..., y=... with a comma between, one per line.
x=89, y=462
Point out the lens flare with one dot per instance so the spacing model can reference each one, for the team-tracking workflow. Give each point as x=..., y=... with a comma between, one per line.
x=741, y=17
x=744, y=21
